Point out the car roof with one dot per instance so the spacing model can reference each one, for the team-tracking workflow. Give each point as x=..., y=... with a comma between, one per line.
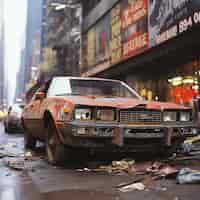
x=84, y=78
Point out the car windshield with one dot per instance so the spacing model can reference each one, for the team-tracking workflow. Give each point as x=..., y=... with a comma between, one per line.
x=101, y=88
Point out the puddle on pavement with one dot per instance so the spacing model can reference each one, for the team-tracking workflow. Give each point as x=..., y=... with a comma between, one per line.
x=82, y=195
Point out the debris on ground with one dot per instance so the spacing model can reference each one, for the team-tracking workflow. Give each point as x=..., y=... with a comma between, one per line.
x=28, y=154
x=134, y=186
x=11, y=145
x=32, y=156
x=187, y=175
x=124, y=166
x=189, y=144
x=161, y=170
x=16, y=164
x=5, y=153
x=84, y=170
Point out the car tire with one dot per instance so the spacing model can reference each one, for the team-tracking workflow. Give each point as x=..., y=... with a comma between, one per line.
x=57, y=153
x=29, y=141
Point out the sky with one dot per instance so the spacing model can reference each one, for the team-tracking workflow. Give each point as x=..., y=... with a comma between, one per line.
x=15, y=23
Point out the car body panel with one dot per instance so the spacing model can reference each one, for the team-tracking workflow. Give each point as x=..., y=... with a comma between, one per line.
x=34, y=120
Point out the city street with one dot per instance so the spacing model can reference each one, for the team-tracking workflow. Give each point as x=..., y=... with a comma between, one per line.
x=34, y=179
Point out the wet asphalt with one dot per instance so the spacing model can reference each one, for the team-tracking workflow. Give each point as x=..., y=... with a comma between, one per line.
x=41, y=181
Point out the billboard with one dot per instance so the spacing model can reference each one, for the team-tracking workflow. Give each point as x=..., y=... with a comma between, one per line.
x=102, y=41
x=133, y=26
x=169, y=18
x=134, y=19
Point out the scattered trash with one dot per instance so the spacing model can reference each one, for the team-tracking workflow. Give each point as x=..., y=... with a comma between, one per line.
x=122, y=167
x=28, y=154
x=167, y=172
x=136, y=180
x=135, y=186
x=83, y=170
x=15, y=164
x=11, y=145
x=161, y=170
x=187, y=147
x=154, y=168
x=187, y=175
x=189, y=144
x=32, y=156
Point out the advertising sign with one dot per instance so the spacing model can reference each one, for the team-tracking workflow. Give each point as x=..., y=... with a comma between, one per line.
x=134, y=21
x=91, y=47
x=116, y=39
x=102, y=41
x=169, y=18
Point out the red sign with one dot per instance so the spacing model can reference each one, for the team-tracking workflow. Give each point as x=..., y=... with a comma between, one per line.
x=134, y=27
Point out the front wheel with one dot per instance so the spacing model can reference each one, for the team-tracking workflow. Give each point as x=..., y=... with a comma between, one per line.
x=57, y=153
x=29, y=140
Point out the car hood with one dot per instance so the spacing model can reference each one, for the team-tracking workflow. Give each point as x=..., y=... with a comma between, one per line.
x=121, y=103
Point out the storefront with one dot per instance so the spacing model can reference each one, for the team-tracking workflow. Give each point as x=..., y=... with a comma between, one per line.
x=180, y=84
x=152, y=45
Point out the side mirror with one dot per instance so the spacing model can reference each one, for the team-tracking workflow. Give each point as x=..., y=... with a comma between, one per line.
x=39, y=95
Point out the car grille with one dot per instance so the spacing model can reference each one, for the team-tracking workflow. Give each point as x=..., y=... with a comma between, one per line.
x=141, y=116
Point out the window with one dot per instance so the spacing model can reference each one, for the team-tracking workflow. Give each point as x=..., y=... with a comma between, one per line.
x=59, y=87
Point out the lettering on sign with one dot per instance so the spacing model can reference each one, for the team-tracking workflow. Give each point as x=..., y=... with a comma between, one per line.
x=138, y=42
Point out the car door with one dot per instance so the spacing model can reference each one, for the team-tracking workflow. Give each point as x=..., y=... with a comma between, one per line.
x=33, y=115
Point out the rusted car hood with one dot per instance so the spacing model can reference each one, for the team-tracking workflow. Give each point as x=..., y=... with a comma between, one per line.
x=121, y=103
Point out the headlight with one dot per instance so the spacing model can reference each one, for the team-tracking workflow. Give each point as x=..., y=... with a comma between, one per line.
x=169, y=116
x=106, y=114
x=184, y=116
x=83, y=114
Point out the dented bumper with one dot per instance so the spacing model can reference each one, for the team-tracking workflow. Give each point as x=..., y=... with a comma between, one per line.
x=122, y=137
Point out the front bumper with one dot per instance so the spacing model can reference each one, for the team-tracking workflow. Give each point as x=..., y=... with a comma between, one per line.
x=114, y=137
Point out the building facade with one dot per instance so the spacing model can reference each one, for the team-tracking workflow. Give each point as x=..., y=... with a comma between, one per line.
x=61, y=33
x=151, y=44
x=20, y=81
x=33, y=33
x=2, y=70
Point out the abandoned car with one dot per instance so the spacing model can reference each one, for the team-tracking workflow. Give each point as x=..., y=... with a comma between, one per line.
x=94, y=114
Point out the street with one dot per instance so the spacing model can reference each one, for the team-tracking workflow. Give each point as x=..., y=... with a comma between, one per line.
x=38, y=180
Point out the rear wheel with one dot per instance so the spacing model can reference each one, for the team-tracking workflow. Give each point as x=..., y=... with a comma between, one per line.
x=57, y=153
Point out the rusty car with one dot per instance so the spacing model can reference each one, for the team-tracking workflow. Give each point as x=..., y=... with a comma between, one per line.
x=95, y=114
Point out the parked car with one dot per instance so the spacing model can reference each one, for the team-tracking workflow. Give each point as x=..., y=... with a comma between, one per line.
x=12, y=122
x=93, y=114
x=2, y=115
